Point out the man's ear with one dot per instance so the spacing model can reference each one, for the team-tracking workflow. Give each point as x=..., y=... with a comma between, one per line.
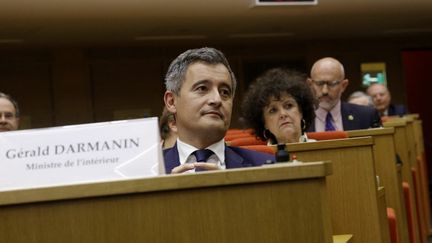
x=344, y=84
x=309, y=81
x=169, y=99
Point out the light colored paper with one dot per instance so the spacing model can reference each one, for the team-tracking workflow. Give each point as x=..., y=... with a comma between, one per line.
x=80, y=154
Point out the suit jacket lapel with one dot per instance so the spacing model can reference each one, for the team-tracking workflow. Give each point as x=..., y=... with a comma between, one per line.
x=232, y=159
x=347, y=117
x=171, y=159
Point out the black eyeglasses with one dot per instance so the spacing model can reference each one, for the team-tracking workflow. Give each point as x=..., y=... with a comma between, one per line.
x=7, y=115
x=330, y=84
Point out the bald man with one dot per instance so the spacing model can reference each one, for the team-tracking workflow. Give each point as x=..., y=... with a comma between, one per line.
x=382, y=101
x=327, y=81
x=9, y=113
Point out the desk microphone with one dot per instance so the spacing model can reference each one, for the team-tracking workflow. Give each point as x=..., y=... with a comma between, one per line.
x=281, y=154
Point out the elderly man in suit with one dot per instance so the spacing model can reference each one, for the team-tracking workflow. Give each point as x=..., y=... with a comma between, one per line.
x=200, y=87
x=382, y=101
x=327, y=81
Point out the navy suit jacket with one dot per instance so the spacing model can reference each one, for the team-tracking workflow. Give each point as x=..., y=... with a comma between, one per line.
x=396, y=110
x=235, y=157
x=356, y=117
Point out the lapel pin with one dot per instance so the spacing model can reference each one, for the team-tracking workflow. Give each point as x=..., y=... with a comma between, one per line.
x=350, y=117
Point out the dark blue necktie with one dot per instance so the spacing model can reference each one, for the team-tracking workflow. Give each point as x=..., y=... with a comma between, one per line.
x=328, y=123
x=202, y=155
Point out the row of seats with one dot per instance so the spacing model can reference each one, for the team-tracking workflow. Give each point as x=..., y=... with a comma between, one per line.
x=246, y=139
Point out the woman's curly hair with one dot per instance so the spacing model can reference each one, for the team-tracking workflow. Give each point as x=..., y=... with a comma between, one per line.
x=275, y=83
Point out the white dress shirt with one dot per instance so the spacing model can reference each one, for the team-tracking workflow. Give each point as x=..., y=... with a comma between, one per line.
x=320, y=118
x=185, y=153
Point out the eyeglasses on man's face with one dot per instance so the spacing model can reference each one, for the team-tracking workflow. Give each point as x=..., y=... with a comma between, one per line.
x=7, y=115
x=330, y=84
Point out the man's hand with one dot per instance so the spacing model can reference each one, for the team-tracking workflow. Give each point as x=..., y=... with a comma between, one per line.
x=190, y=166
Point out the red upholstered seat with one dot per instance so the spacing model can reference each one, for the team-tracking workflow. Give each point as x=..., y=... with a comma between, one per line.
x=247, y=141
x=391, y=216
x=260, y=148
x=327, y=135
x=424, y=190
x=238, y=131
x=230, y=137
x=419, y=206
x=409, y=211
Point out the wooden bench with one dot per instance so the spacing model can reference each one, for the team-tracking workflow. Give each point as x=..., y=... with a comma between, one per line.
x=389, y=173
x=277, y=203
x=352, y=188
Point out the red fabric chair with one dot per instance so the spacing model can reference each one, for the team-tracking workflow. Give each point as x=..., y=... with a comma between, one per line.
x=420, y=208
x=409, y=211
x=246, y=141
x=238, y=131
x=260, y=148
x=391, y=216
x=424, y=189
x=327, y=135
x=230, y=137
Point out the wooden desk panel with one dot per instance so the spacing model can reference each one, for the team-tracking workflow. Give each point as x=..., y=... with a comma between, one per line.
x=403, y=150
x=279, y=203
x=420, y=152
x=388, y=172
x=352, y=187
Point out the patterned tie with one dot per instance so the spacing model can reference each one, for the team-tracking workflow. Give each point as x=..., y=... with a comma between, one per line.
x=328, y=123
x=202, y=155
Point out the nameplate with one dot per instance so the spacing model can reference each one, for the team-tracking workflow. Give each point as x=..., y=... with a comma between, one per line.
x=78, y=154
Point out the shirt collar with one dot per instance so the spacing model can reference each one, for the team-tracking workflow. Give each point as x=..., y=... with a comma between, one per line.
x=185, y=150
x=335, y=112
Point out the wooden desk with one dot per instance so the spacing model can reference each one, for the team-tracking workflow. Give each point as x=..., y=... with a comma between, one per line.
x=420, y=152
x=342, y=238
x=401, y=139
x=386, y=168
x=283, y=203
x=352, y=188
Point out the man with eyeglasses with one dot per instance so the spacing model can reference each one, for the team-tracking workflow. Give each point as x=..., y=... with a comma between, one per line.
x=327, y=81
x=9, y=113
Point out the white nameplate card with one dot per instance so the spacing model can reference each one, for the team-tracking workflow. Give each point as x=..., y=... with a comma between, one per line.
x=78, y=154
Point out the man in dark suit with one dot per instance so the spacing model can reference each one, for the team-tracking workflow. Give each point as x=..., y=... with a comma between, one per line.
x=9, y=113
x=200, y=87
x=327, y=81
x=382, y=101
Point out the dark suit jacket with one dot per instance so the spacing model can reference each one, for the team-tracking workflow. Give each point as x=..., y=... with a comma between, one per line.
x=235, y=157
x=396, y=110
x=356, y=117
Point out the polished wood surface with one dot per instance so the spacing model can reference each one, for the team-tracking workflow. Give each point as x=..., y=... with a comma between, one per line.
x=352, y=188
x=423, y=169
x=424, y=230
x=342, y=238
x=388, y=172
x=277, y=203
x=382, y=210
x=401, y=139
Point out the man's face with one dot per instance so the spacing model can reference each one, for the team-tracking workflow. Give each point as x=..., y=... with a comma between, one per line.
x=327, y=85
x=203, y=107
x=380, y=97
x=8, y=119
